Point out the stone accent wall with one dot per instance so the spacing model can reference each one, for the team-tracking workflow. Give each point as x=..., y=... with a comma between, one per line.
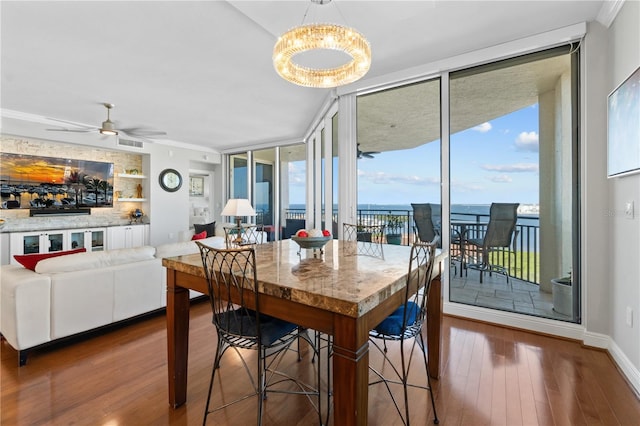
x=102, y=216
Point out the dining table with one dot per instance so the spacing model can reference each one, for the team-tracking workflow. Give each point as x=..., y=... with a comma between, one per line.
x=337, y=290
x=461, y=230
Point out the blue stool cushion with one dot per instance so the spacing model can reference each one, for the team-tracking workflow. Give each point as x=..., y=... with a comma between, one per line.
x=392, y=325
x=243, y=323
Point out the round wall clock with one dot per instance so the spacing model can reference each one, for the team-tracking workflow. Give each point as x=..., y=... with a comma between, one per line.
x=170, y=180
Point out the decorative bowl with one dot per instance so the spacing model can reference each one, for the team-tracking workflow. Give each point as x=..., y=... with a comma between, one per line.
x=311, y=242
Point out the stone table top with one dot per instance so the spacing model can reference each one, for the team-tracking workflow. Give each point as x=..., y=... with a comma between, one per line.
x=339, y=280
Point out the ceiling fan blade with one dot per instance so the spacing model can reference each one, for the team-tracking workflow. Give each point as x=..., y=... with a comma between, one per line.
x=142, y=131
x=73, y=130
x=137, y=136
x=109, y=127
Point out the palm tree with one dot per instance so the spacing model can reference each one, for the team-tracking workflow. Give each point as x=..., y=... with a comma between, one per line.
x=75, y=182
x=93, y=185
x=104, y=187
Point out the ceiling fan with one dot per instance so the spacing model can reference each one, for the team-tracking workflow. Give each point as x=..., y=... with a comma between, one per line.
x=109, y=128
x=366, y=154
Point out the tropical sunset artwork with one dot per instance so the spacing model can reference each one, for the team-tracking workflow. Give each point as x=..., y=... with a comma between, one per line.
x=35, y=182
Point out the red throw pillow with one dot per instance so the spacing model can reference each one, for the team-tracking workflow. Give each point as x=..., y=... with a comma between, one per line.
x=30, y=261
x=200, y=236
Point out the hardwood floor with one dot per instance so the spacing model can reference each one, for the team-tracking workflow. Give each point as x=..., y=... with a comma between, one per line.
x=491, y=376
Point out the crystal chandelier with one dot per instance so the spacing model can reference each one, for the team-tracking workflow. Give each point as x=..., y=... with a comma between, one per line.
x=322, y=36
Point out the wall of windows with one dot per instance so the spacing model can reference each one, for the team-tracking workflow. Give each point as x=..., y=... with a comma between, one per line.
x=508, y=138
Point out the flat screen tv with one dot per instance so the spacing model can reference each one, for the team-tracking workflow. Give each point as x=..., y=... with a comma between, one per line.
x=623, y=127
x=54, y=184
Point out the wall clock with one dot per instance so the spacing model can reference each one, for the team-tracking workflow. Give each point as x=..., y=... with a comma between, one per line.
x=170, y=180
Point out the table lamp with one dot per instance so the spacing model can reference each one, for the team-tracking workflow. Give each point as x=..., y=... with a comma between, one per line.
x=238, y=207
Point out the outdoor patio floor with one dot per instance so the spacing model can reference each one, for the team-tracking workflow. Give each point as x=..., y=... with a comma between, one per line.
x=515, y=296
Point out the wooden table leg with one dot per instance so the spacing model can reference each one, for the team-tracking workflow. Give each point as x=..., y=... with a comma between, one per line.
x=350, y=372
x=177, y=340
x=434, y=326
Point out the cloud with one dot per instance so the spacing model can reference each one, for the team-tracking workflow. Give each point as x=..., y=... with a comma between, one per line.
x=512, y=168
x=501, y=179
x=483, y=128
x=384, y=178
x=297, y=175
x=462, y=187
x=527, y=141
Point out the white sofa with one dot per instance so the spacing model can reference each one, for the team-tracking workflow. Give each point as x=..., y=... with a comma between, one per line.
x=79, y=292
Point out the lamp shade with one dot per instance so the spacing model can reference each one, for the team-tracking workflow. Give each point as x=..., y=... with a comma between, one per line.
x=238, y=207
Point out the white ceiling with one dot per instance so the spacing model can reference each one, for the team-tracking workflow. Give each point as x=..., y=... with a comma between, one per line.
x=201, y=70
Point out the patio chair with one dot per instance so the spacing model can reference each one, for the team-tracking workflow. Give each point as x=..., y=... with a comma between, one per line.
x=426, y=229
x=404, y=324
x=498, y=236
x=232, y=273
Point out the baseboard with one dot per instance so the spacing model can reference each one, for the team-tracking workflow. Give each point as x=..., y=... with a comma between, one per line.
x=511, y=319
x=551, y=327
x=629, y=371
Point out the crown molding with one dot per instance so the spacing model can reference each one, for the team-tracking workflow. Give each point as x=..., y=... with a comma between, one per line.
x=609, y=11
x=25, y=116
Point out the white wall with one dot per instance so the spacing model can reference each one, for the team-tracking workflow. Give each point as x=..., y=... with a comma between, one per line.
x=623, y=255
x=593, y=152
x=610, y=242
x=170, y=211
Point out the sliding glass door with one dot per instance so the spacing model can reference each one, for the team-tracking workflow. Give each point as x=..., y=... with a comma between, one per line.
x=513, y=141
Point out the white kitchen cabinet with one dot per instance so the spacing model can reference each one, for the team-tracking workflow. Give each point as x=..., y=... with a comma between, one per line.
x=37, y=242
x=127, y=236
x=92, y=239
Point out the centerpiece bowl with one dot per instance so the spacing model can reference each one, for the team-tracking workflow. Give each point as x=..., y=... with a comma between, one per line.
x=315, y=243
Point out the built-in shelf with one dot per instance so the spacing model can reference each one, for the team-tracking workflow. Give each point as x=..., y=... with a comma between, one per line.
x=126, y=175
x=131, y=199
x=135, y=200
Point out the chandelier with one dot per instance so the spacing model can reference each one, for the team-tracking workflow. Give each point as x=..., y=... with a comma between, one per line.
x=322, y=36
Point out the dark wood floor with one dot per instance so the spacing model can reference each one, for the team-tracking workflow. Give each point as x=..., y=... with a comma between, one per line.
x=491, y=376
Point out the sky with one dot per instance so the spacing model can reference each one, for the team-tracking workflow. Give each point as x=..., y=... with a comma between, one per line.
x=31, y=169
x=496, y=161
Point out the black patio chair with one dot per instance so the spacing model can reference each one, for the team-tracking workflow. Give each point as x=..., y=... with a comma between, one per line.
x=428, y=219
x=498, y=236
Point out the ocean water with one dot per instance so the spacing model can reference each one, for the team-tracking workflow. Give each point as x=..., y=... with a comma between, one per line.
x=528, y=221
x=458, y=211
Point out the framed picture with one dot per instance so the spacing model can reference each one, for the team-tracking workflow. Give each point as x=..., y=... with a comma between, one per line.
x=623, y=126
x=196, y=186
x=53, y=184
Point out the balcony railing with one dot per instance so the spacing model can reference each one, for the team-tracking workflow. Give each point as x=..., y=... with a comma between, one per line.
x=521, y=259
